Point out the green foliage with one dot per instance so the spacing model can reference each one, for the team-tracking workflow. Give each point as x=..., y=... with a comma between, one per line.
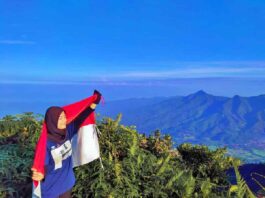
x=134, y=165
x=18, y=136
x=206, y=163
x=139, y=166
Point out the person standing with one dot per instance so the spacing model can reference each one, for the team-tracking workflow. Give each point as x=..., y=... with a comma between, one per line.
x=58, y=177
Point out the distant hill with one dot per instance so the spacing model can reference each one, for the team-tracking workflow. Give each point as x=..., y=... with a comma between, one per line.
x=197, y=118
x=199, y=115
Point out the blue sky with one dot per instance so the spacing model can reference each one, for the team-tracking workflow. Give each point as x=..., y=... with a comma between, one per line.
x=124, y=45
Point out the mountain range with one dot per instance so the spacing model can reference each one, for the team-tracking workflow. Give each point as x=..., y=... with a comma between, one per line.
x=198, y=118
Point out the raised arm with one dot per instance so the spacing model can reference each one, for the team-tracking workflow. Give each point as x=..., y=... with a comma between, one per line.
x=83, y=115
x=76, y=123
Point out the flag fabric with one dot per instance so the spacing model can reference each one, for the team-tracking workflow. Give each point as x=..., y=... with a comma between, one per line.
x=85, y=146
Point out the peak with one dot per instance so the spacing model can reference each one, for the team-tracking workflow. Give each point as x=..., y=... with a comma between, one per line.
x=200, y=92
x=236, y=96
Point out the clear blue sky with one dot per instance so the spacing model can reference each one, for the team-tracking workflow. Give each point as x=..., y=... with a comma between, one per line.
x=108, y=41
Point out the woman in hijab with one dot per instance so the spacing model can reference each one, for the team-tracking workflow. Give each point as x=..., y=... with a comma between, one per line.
x=58, y=167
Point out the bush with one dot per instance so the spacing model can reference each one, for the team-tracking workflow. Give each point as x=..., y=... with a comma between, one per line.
x=134, y=165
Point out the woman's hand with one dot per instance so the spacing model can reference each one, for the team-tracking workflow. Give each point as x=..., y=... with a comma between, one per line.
x=37, y=176
x=93, y=106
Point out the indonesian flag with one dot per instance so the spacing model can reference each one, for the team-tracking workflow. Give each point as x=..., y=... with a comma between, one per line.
x=85, y=146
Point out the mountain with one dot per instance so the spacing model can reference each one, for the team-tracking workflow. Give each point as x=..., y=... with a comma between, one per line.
x=199, y=117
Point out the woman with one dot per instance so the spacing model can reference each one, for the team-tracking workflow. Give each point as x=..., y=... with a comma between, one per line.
x=58, y=178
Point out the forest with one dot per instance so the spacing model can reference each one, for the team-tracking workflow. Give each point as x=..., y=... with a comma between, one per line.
x=134, y=164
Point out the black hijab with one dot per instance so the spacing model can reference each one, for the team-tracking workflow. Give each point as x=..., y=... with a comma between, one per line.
x=51, y=119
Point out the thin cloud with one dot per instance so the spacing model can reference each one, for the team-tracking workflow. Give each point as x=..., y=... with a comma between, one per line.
x=63, y=82
x=225, y=69
x=42, y=82
x=195, y=72
x=17, y=42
